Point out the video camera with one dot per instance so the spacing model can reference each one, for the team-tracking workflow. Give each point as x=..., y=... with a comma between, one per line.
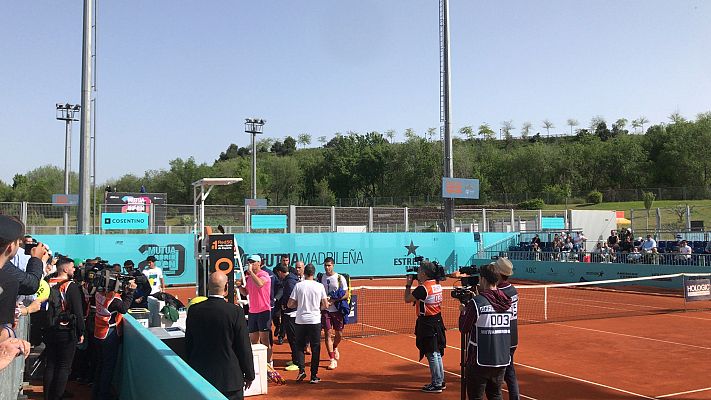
x=100, y=277
x=469, y=286
x=411, y=270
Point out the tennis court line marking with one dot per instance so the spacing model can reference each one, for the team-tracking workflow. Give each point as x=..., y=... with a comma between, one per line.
x=631, y=336
x=420, y=363
x=687, y=392
x=585, y=381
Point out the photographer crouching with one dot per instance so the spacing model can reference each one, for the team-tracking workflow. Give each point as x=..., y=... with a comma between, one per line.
x=111, y=304
x=429, y=328
x=486, y=320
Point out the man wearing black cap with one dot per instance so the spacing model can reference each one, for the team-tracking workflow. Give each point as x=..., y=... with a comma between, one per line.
x=154, y=275
x=140, y=299
x=504, y=267
x=14, y=281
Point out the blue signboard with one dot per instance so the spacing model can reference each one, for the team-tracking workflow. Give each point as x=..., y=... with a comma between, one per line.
x=175, y=254
x=553, y=223
x=134, y=220
x=457, y=188
x=268, y=222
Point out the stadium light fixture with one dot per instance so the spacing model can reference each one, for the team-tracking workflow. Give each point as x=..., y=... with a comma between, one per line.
x=254, y=126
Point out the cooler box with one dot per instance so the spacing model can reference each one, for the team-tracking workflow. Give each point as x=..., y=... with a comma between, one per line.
x=259, y=386
x=142, y=315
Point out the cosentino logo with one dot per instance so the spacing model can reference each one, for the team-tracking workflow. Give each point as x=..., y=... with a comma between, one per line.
x=407, y=260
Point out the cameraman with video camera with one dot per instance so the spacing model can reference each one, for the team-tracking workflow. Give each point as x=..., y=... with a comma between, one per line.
x=111, y=304
x=429, y=328
x=486, y=319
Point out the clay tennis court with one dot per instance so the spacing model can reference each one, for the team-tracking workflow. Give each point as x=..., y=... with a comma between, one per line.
x=657, y=352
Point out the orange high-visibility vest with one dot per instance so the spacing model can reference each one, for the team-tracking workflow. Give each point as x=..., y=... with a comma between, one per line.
x=103, y=317
x=432, y=304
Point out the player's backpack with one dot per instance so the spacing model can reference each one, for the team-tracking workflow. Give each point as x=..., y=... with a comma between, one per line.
x=58, y=317
x=347, y=307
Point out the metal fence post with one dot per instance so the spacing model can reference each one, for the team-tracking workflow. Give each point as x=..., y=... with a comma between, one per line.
x=688, y=216
x=513, y=221
x=407, y=219
x=292, y=219
x=247, y=219
x=539, y=226
x=370, y=219
x=333, y=219
x=485, y=227
x=23, y=212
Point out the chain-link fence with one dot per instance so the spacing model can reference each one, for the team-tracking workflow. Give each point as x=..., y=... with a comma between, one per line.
x=45, y=218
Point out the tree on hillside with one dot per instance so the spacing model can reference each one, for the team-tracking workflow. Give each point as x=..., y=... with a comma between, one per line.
x=620, y=124
x=526, y=129
x=410, y=134
x=636, y=125
x=572, y=122
x=390, y=134
x=676, y=117
x=548, y=125
x=431, y=132
x=467, y=132
x=506, y=128
x=304, y=139
x=322, y=140
x=233, y=151
x=641, y=121
x=486, y=132
x=263, y=145
x=284, y=180
x=284, y=149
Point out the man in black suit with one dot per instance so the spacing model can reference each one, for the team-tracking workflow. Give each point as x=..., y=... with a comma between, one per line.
x=217, y=342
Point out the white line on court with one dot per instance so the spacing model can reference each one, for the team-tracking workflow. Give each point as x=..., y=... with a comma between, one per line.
x=585, y=381
x=687, y=392
x=418, y=362
x=631, y=336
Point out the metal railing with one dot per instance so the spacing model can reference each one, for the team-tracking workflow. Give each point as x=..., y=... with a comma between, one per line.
x=45, y=218
x=702, y=260
x=11, y=377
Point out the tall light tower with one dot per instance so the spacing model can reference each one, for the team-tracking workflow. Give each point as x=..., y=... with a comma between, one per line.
x=254, y=126
x=445, y=111
x=67, y=113
x=84, y=214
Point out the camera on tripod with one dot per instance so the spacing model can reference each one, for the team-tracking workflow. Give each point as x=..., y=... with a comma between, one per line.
x=469, y=276
x=411, y=270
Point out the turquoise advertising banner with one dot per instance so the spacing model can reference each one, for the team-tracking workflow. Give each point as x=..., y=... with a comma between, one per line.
x=363, y=254
x=175, y=254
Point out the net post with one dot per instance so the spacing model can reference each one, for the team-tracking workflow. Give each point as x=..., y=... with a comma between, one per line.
x=545, y=304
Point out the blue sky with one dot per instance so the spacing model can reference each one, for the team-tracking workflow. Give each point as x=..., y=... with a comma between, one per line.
x=177, y=78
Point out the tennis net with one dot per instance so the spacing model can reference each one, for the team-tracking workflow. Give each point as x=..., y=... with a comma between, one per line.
x=383, y=311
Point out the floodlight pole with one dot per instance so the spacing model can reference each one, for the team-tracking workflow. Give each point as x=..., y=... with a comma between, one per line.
x=445, y=111
x=66, y=113
x=254, y=126
x=84, y=212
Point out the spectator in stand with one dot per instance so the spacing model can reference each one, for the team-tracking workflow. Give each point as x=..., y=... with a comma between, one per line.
x=536, y=240
x=707, y=249
x=567, y=249
x=608, y=253
x=579, y=242
x=557, y=247
x=626, y=245
x=634, y=256
x=596, y=253
x=649, y=244
x=613, y=241
x=654, y=256
x=536, y=251
x=684, y=252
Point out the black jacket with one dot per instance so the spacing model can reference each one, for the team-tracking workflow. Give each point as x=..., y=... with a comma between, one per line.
x=289, y=283
x=14, y=282
x=217, y=344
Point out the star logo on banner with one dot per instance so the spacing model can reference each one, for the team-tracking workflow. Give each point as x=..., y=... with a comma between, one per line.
x=411, y=249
